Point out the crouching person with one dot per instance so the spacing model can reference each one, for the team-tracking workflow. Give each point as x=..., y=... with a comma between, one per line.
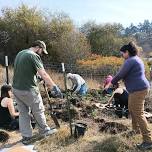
x=78, y=84
x=120, y=96
x=25, y=88
x=107, y=81
x=8, y=115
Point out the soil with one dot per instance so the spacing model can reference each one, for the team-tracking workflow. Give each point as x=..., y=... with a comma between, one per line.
x=112, y=127
x=4, y=136
x=89, y=110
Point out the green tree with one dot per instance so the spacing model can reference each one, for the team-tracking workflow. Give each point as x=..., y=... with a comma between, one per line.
x=72, y=47
x=25, y=25
x=105, y=39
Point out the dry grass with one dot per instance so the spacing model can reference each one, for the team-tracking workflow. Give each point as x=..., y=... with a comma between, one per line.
x=59, y=80
x=3, y=75
x=15, y=136
x=92, y=83
x=93, y=141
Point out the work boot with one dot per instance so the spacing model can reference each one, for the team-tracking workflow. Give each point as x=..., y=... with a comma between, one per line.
x=49, y=132
x=29, y=140
x=145, y=146
x=26, y=140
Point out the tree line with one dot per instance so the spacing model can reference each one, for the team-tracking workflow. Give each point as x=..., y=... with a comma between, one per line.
x=20, y=26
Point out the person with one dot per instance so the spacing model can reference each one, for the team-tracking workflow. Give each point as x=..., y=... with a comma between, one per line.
x=27, y=65
x=120, y=96
x=78, y=84
x=106, y=90
x=8, y=114
x=133, y=74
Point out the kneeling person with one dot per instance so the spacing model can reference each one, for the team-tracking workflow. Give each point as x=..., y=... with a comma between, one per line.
x=78, y=84
x=120, y=96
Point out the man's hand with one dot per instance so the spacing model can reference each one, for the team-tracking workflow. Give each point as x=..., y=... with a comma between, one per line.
x=69, y=90
x=55, y=92
x=39, y=78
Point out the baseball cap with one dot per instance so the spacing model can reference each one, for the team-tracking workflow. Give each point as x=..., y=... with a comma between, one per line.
x=69, y=75
x=42, y=45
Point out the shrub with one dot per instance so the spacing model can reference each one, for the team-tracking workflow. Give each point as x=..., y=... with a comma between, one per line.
x=100, y=65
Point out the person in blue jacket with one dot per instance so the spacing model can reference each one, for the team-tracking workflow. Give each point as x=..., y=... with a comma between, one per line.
x=133, y=74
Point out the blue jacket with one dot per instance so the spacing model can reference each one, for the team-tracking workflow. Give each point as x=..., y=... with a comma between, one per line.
x=133, y=74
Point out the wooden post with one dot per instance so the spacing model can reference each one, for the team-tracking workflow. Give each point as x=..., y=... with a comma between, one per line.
x=6, y=65
x=68, y=102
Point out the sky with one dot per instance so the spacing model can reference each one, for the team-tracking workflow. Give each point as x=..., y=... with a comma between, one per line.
x=100, y=11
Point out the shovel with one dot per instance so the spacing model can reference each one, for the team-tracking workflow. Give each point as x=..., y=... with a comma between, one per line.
x=51, y=109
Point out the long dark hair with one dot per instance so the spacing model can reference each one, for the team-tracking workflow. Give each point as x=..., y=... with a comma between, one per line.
x=4, y=91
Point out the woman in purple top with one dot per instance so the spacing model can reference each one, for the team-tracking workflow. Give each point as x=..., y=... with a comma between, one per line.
x=133, y=74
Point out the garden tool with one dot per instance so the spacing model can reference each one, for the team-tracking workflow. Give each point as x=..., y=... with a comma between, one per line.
x=53, y=116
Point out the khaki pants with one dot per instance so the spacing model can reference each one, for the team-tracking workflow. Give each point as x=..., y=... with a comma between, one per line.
x=136, y=109
x=28, y=101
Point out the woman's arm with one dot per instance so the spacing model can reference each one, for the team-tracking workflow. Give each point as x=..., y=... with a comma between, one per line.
x=11, y=108
x=118, y=90
x=108, y=85
x=123, y=71
x=110, y=100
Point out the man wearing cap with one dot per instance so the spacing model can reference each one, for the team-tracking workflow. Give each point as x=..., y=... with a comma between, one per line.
x=25, y=88
x=78, y=84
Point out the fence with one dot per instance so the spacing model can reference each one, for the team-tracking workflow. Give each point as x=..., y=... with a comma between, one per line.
x=89, y=72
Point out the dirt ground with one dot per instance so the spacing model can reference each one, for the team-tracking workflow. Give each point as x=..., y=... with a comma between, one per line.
x=105, y=131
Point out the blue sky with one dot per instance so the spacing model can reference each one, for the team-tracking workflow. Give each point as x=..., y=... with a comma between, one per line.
x=100, y=11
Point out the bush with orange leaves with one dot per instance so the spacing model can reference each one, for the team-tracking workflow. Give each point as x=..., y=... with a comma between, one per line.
x=102, y=65
x=97, y=60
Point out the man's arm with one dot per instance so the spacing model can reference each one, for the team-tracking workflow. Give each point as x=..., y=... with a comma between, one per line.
x=44, y=75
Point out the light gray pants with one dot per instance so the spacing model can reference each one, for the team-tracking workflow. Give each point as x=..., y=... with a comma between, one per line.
x=30, y=101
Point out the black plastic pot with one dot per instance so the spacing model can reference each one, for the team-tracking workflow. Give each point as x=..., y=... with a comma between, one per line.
x=80, y=129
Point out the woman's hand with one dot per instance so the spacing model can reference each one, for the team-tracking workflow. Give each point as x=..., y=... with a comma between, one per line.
x=11, y=108
x=108, y=85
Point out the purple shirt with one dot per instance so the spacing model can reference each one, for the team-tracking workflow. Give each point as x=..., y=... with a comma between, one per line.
x=133, y=74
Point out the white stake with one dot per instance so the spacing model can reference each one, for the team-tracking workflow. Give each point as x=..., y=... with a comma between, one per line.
x=6, y=60
x=63, y=69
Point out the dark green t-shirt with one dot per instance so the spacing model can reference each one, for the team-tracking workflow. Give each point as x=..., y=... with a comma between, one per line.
x=26, y=65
